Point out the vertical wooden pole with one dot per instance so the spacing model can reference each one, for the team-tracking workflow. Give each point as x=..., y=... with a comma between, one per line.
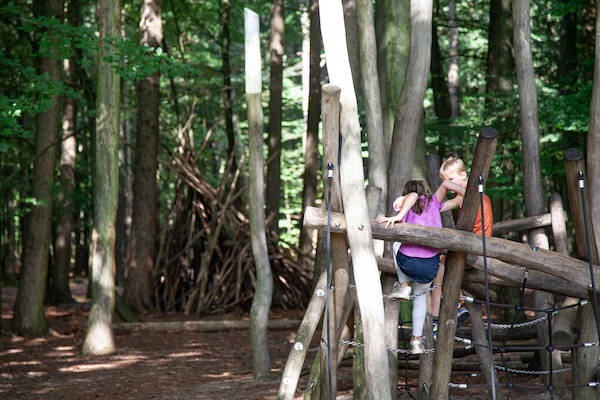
x=455, y=265
x=366, y=274
x=585, y=359
x=261, y=302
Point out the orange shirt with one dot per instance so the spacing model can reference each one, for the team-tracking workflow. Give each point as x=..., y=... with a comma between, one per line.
x=488, y=216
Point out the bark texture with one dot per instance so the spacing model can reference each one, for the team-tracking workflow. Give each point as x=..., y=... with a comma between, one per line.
x=64, y=221
x=368, y=285
x=410, y=106
x=274, y=138
x=352, y=41
x=28, y=310
x=311, y=152
x=593, y=143
x=372, y=98
x=138, y=285
x=261, y=302
x=392, y=28
x=99, y=338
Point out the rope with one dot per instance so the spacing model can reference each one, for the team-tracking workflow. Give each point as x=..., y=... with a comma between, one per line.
x=487, y=290
x=330, y=178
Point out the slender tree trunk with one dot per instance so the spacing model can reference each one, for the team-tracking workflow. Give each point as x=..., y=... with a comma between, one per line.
x=305, y=26
x=125, y=208
x=532, y=177
x=441, y=94
x=410, y=105
x=500, y=61
x=99, y=337
x=392, y=27
x=29, y=311
x=453, y=69
x=372, y=98
x=567, y=54
x=311, y=153
x=352, y=41
x=593, y=143
x=226, y=70
x=368, y=284
x=274, y=140
x=138, y=285
x=261, y=302
x=64, y=227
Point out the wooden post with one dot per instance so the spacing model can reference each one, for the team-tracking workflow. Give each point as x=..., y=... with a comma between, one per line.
x=455, y=265
x=564, y=323
x=366, y=274
x=585, y=358
x=291, y=372
x=261, y=302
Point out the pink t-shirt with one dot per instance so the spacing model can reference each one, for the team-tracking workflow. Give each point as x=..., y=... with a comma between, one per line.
x=429, y=217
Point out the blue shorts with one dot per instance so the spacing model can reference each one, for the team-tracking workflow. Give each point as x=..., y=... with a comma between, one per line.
x=420, y=270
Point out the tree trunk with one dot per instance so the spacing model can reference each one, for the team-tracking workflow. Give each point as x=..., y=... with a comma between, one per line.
x=28, y=310
x=410, y=106
x=61, y=292
x=261, y=302
x=311, y=153
x=368, y=285
x=567, y=53
x=274, y=140
x=392, y=27
x=125, y=208
x=453, y=68
x=593, y=144
x=441, y=94
x=138, y=285
x=352, y=40
x=532, y=177
x=372, y=99
x=226, y=70
x=99, y=337
x=500, y=61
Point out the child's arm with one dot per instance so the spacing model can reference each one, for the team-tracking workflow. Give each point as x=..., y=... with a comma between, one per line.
x=448, y=185
x=409, y=201
x=397, y=205
x=452, y=203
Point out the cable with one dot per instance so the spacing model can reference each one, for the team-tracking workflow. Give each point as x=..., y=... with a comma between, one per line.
x=330, y=178
x=487, y=291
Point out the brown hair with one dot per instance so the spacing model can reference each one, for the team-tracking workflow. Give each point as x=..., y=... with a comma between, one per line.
x=420, y=189
x=452, y=163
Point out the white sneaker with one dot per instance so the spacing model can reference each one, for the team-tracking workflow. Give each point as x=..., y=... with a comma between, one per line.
x=401, y=293
x=416, y=346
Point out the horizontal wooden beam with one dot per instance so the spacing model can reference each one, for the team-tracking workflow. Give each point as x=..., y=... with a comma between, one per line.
x=521, y=224
x=549, y=262
x=200, y=326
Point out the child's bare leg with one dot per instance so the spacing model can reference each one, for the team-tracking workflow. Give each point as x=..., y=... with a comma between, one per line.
x=436, y=295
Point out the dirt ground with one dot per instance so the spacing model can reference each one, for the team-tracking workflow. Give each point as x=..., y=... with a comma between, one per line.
x=173, y=365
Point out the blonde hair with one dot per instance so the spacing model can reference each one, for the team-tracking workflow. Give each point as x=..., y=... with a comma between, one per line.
x=452, y=164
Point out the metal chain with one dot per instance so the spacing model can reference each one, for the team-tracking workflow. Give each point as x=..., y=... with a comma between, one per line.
x=522, y=324
x=527, y=372
x=401, y=351
x=388, y=297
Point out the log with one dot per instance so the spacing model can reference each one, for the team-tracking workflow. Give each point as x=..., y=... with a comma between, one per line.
x=455, y=265
x=521, y=224
x=568, y=268
x=293, y=366
x=199, y=326
x=584, y=358
x=366, y=274
x=563, y=328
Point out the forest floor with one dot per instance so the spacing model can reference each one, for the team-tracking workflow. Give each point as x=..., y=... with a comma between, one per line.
x=173, y=365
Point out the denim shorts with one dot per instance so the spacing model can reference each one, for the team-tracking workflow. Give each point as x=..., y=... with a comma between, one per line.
x=420, y=270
